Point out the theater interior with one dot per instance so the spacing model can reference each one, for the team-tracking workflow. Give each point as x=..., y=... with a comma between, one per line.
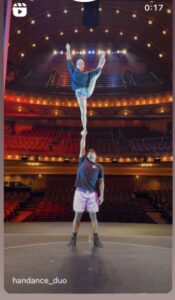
x=129, y=125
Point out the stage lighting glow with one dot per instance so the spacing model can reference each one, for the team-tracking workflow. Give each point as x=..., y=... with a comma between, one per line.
x=61, y=52
x=73, y=52
x=124, y=51
x=134, y=16
x=93, y=51
x=121, y=33
x=82, y=8
x=117, y=11
x=164, y=32
x=33, y=45
x=61, y=33
x=106, y=30
x=109, y=51
x=19, y=31
x=150, y=22
x=65, y=11
x=149, y=45
x=48, y=15
x=33, y=22
x=100, y=9
x=168, y=11
x=160, y=55
x=118, y=51
x=46, y=38
x=89, y=52
x=83, y=52
x=135, y=37
x=91, y=29
x=22, y=54
x=76, y=30
x=162, y=110
x=55, y=52
x=99, y=52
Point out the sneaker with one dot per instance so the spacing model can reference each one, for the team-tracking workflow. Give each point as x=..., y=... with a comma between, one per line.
x=72, y=242
x=97, y=242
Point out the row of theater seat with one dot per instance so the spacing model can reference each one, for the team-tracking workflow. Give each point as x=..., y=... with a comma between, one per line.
x=119, y=206
x=119, y=141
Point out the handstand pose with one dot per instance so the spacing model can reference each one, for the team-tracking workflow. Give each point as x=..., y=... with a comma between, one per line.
x=83, y=83
x=85, y=198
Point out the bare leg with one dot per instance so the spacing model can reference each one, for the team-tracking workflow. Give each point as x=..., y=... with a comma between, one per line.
x=76, y=225
x=92, y=85
x=76, y=221
x=82, y=101
x=93, y=81
x=94, y=222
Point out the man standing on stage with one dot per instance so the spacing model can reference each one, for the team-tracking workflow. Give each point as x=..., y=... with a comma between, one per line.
x=89, y=174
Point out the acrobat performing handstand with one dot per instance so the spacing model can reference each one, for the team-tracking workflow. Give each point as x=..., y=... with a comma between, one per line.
x=89, y=175
x=83, y=83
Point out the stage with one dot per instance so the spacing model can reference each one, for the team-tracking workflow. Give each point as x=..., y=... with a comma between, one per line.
x=136, y=258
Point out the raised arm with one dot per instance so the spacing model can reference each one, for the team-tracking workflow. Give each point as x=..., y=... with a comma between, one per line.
x=83, y=145
x=68, y=53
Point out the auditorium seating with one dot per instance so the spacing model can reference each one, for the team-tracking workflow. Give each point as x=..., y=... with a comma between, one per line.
x=66, y=142
x=14, y=199
x=54, y=75
x=120, y=205
x=162, y=200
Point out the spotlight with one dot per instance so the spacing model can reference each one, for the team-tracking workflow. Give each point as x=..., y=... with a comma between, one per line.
x=99, y=52
x=168, y=11
x=73, y=52
x=164, y=32
x=124, y=51
x=160, y=55
x=135, y=38
x=149, y=45
x=106, y=30
x=114, y=160
x=76, y=30
x=121, y=33
x=134, y=16
x=61, y=33
x=49, y=15
x=55, y=52
x=93, y=51
x=61, y=52
x=46, y=38
x=22, y=54
x=109, y=51
x=150, y=22
x=118, y=51
x=32, y=22
x=19, y=31
x=91, y=29
x=117, y=11
x=65, y=11
x=83, y=52
x=33, y=45
x=89, y=52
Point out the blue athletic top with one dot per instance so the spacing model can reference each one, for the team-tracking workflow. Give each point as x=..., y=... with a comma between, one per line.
x=88, y=174
x=80, y=79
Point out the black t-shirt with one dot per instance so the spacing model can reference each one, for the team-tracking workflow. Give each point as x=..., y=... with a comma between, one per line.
x=88, y=174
